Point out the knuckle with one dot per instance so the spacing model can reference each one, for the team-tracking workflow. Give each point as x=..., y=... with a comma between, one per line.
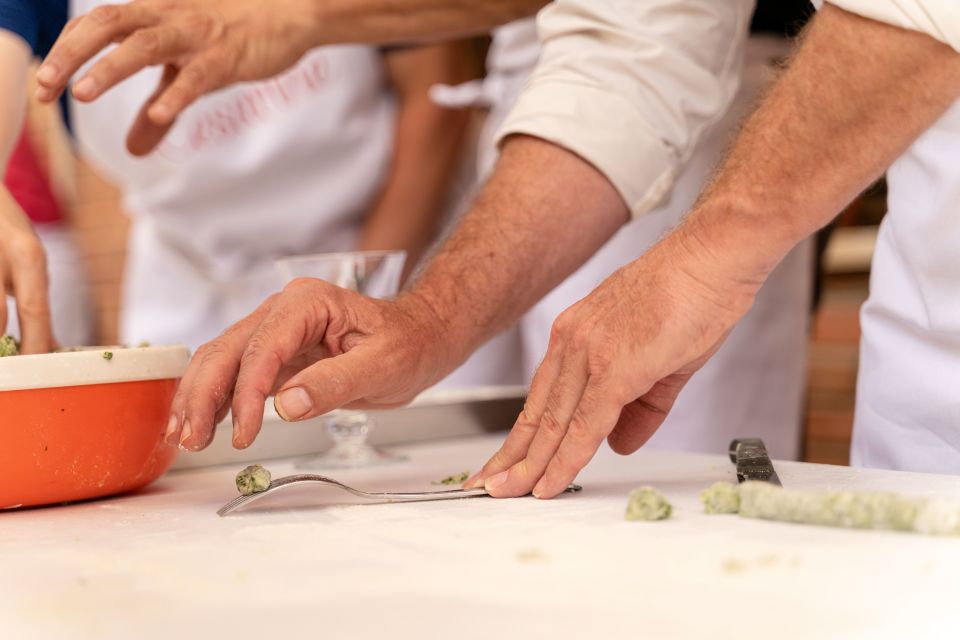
x=584, y=440
x=211, y=353
x=208, y=351
x=33, y=306
x=27, y=250
x=581, y=429
x=200, y=23
x=581, y=338
x=105, y=15
x=599, y=361
x=299, y=284
x=551, y=426
x=258, y=345
x=146, y=41
x=497, y=461
x=560, y=329
x=526, y=420
x=194, y=75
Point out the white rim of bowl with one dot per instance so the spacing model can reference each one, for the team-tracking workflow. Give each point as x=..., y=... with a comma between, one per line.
x=92, y=365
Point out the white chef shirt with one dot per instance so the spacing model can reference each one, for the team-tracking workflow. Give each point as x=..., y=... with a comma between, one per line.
x=631, y=86
x=908, y=414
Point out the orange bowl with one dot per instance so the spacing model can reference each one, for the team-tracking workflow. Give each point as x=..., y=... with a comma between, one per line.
x=78, y=425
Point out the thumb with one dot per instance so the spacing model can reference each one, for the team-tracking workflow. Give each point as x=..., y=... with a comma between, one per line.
x=640, y=419
x=330, y=384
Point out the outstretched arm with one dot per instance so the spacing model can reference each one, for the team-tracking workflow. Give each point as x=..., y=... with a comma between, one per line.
x=662, y=73
x=209, y=44
x=854, y=98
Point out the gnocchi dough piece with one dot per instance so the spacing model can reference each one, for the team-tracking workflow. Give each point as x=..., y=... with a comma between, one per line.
x=9, y=346
x=721, y=497
x=253, y=479
x=646, y=503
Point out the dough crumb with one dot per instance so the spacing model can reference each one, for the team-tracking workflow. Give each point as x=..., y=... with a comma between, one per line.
x=721, y=497
x=732, y=565
x=9, y=346
x=253, y=479
x=458, y=478
x=646, y=503
x=531, y=556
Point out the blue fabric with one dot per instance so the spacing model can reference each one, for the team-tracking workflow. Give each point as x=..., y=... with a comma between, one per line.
x=39, y=22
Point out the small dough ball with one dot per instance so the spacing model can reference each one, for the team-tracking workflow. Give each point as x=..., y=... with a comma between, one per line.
x=721, y=497
x=9, y=346
x=646, y=503
x=253, y=479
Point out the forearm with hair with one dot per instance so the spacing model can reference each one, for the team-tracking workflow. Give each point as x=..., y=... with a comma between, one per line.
x=855, y=96
x=543, y=213
x=396, y=21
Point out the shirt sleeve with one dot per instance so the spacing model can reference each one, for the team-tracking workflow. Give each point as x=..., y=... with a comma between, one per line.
x=21, y=18
x=939, y=19
x=631, y=85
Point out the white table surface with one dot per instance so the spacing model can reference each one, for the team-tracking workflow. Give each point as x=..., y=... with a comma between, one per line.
x=161, y=564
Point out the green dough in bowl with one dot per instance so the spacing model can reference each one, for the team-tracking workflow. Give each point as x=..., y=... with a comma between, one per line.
x=9, y=346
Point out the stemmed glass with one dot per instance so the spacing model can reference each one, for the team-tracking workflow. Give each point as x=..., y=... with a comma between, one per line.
x=372, y=273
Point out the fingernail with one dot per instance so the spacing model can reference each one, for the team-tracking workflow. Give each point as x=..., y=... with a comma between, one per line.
x=237, y=442
x=41, y=94
x=85, y=89
x=185, y=434
x=171, y=429
x=539, y=488
x=495, y=482
x=473, y=482
x=293, y=403
x=47, y=74
x=160, y=114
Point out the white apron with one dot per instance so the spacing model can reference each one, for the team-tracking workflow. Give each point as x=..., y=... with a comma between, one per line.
x=754, y=385
x=908, y=390
x=256, y=172
x=249, y=174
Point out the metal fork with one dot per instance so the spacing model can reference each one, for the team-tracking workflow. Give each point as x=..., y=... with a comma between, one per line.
x=310, y=478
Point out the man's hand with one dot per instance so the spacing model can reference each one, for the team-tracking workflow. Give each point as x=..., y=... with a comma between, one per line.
x=618, y=358
x=23, y=274
x=615, y=364
x=319, y=347
x=204, y=46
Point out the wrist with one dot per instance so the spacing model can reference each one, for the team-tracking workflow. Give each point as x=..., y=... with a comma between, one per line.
x=740, y=240
x=430, y=335
x=311, y=16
